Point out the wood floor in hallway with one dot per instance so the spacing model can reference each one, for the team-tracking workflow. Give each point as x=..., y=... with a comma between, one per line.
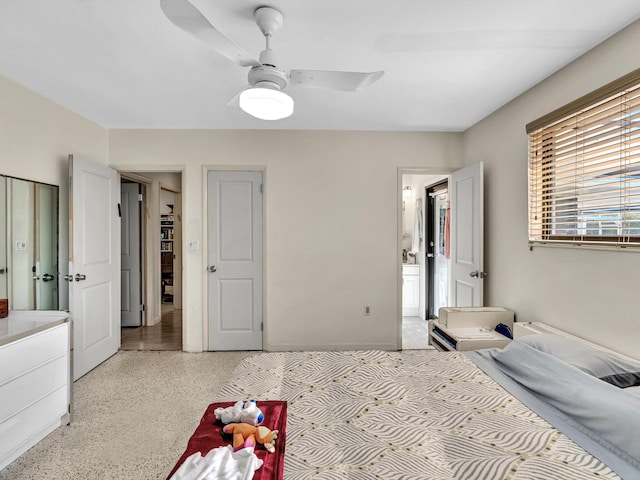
x=166, y=335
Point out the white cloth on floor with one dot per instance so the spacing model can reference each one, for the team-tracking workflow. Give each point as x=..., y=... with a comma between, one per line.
x=220, y=463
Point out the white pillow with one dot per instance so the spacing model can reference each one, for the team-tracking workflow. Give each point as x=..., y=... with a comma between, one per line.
x=605, y=365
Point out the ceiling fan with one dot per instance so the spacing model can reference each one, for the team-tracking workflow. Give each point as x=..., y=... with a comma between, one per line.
x=264, y=97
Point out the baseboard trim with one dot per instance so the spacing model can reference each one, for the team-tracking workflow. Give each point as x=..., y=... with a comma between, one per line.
x=285, y=347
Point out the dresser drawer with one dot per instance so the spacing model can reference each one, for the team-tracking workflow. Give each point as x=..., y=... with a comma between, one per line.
x=29, y=388
x=23, y=430
x=30, y=352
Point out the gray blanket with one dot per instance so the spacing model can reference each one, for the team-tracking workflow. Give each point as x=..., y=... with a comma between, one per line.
x=601, y=418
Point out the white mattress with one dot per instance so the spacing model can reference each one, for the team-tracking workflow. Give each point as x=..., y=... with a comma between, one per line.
x=405, y=415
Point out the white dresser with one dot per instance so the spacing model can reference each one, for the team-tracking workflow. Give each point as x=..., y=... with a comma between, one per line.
x=34, y=379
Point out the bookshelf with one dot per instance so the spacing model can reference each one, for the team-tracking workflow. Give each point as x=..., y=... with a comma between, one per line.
x=166, y=257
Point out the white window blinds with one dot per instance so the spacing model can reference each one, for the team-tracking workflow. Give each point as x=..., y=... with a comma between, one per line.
x=584, y=169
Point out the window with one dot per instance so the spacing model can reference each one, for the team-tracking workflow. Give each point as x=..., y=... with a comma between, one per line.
x=584, y=169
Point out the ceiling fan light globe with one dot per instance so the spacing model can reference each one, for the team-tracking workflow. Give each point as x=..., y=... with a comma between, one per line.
x=266, y=103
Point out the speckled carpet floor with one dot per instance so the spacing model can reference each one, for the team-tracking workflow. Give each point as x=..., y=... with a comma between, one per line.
x=132, y=417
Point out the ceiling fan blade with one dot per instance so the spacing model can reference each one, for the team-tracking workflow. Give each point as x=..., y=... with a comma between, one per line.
x=347, y=81
x=188, y=18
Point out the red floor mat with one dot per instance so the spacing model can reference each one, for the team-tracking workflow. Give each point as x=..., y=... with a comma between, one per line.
x=209, y=435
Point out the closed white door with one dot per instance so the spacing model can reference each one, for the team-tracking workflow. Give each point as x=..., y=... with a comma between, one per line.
x=130, y=256
x=235, y=260
x=94, y=263
x=467, y=230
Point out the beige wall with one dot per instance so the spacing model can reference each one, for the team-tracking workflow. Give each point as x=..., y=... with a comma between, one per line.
x=332, y=210
x=36, y=137
x=590, y=293
x=331, y=240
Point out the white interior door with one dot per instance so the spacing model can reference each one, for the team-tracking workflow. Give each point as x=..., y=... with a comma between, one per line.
x=235, y=260
x=467, y=231
x=94, y=263
x=130, y=244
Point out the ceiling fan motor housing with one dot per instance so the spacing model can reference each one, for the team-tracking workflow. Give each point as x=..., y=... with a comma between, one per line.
x=269, y=20
x=268, y=77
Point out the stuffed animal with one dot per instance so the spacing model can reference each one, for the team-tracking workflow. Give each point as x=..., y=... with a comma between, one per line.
x=247, y=412
x=245, y=435
x=229, y=414
x=250, y=413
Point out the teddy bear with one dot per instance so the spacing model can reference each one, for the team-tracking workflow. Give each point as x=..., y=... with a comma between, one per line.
x=245, y=435
x=240, y=412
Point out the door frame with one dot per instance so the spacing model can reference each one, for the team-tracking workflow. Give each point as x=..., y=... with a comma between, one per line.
x=205, y=233
x=136, y=173
x=400, y=172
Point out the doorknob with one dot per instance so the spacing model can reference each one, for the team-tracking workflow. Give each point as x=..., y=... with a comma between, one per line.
x=212, y=268
x=47, y=277
x=68, y=278
x=80, y=277
x=3, y=270
x=478, y=274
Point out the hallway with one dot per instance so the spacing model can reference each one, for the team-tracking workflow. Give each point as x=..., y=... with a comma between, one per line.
x=166, y=335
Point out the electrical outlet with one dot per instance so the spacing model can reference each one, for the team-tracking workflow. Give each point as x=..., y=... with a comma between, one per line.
x=367, y=310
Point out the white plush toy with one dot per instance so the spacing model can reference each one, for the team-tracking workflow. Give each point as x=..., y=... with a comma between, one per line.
x=240, y=412
x=251, y=414
x=230, y=414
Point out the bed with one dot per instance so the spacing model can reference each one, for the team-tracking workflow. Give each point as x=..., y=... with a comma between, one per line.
x=423, y=415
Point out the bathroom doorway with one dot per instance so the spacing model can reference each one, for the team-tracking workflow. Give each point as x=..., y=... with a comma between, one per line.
x=417, y=240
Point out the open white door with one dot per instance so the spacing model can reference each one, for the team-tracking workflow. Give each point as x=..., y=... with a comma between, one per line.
x=94, y=263
x=467, y=233
x=130, y=273
x=235, y=260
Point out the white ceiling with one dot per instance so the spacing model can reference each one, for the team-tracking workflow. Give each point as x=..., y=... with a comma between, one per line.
x=447, y=63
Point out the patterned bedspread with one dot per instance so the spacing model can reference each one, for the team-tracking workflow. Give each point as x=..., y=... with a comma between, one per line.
x=405, y=415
